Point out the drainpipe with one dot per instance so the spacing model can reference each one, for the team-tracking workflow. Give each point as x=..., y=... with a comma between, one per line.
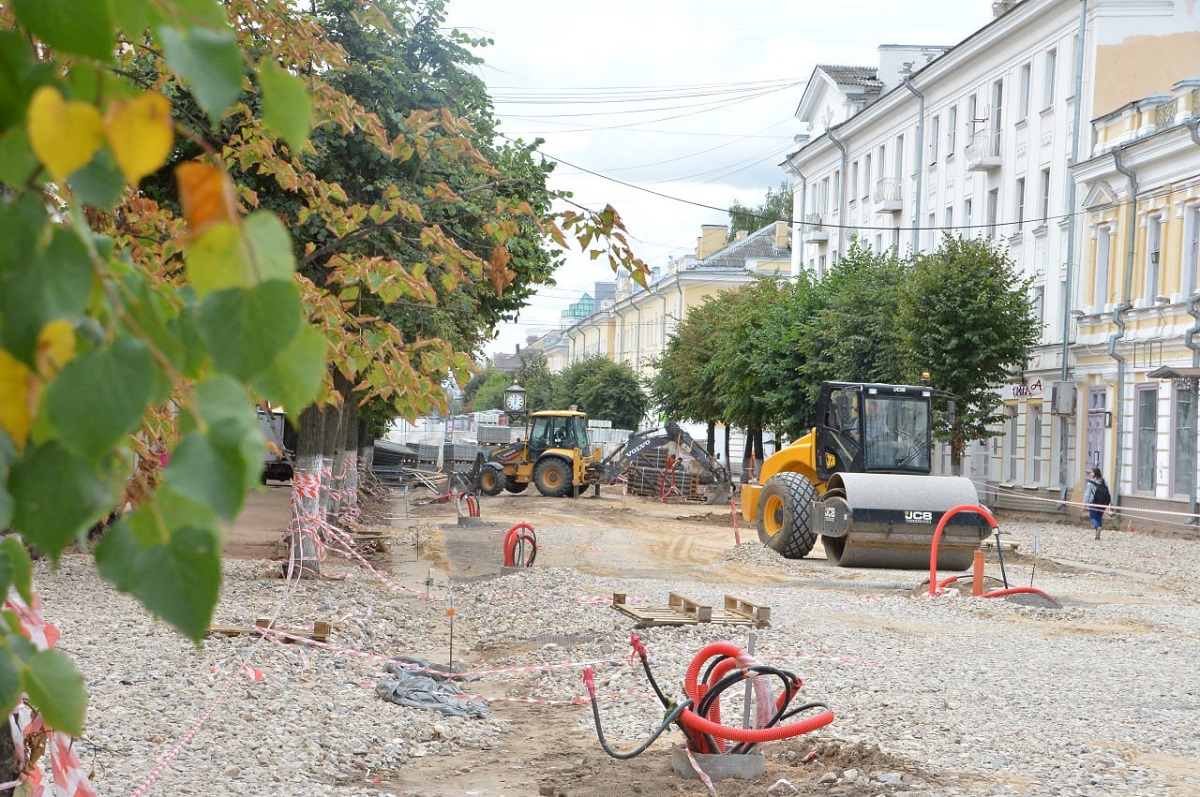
x=620, y=331
x=679, y=287
x=1189, y=340
x=1118, y=315
x=1064, y=453
x=916, y=228
x=842, y=203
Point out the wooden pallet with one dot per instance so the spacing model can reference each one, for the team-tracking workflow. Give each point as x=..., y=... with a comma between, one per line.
x=319, y=632
x=681, y=610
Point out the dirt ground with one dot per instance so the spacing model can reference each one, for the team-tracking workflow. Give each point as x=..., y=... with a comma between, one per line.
x=545, y=754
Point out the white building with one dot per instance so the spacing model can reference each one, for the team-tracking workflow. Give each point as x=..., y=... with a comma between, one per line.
x=979, y=139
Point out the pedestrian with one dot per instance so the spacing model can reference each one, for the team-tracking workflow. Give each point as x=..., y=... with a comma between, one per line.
x=1097, y=497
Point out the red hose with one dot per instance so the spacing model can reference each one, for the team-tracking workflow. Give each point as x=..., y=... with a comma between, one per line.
x=702, y=725
x=937, y=537
x=1000, y=593
x=512, y=539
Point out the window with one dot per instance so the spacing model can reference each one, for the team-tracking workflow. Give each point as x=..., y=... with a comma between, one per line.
x=821, y=265
x=993, y=202
x=866, y=178
x=1183, y=461
x=823, y=204
x=853, y=187
x=899, y=157
x=896, y=238
x=1037, y=303
x=934, y=135
x=1020, y=203
x=1074, y=59
x=997, y=114
x=1036, y=461
x=837, y=190
x=931, y=231
x=1147, y=437
x=951, y=125
x=1190, y=276
x=967, y=218
x=1045, y=199
x=1010, y=433
x=1051, y=69
x=1103, y=260
x=1153, y=252
x=1023, y=96
x=948, y=225
x=972, y=113
x=878, y=242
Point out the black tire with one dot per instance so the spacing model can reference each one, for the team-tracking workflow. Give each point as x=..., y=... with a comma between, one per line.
x=492, y=481
x=783, y=509
x=515, y=487
x=553, y=477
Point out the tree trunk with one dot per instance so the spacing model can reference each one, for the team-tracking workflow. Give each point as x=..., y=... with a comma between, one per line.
x=331, y=447
x=366, y=453
x=349, y=463
x=711, y=438
x=305, y=528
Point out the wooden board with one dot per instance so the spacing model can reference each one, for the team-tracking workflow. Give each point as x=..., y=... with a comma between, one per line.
x=319, y=632
x=681, y=610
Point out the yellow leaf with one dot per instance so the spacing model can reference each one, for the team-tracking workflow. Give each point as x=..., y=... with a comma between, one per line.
x=64, y=135
x=55, y=348
x=206, y=194
x=17, y=393
x=140, y=134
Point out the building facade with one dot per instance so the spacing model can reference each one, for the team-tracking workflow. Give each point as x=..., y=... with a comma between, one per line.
x=980, y=139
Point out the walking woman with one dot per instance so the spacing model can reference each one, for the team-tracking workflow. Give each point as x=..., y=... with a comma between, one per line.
x=1097, y=497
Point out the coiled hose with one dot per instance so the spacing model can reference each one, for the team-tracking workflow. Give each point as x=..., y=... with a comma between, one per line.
x=699, y=715
x=515, y=541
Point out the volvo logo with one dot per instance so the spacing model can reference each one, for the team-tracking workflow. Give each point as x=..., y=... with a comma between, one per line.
x=918, y=517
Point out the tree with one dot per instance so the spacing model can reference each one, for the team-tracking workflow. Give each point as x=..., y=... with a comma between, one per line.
x=540, y=385
x=605, y=390
x=783, y=354
x=965, y=317
x=776, y=207
x=485, y=390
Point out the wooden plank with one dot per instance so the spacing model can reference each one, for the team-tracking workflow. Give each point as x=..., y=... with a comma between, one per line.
x=319, y=632
x=651, y=616
x=761, y=615
x=689, y=607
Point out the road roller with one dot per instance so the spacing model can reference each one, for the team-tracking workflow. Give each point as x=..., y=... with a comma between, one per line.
x=861, y=481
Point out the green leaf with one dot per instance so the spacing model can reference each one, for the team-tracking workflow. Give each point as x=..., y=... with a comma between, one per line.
x=193, y=12
x=17, y=161
x=16, y=61
x=16, y=570
x=100, y=183
x=153, y=316
x=287, y=108
x=246, y=329
x=270, y=247
x=56, y=690
x=10, y=681
x=216, y=260
x=211, y=469
x=169, y=562
x=56, y=496
x=294, y=377
x=47, y=285
x=99, y=397
x=79, y=27
x=8, y=453
x=134, y=17
x=209, y=61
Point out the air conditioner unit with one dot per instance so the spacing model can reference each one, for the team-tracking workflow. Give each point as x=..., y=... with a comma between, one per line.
x=1062, y=398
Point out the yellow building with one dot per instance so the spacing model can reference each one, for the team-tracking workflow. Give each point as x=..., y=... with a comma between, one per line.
x=635, y=327
x=1135, y=345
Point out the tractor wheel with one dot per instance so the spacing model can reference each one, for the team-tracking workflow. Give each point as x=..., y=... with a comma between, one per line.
x=515, y=487
x=492, y=481
x=783, y=510
x=553, y=477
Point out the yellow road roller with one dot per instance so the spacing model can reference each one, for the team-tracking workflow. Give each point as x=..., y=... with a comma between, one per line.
x=860, y=480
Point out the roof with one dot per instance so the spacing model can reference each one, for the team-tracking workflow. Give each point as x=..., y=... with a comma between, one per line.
x=758, y=245
x=865, y=77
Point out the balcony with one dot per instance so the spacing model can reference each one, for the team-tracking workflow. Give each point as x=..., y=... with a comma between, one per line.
x=889, y=195
x=814, y=228
x=983, y=153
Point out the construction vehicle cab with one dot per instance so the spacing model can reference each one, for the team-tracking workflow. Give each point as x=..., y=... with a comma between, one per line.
x=860, y=480
x=556, y=456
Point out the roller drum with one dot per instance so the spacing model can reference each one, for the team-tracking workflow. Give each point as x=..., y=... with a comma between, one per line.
x=888, y=520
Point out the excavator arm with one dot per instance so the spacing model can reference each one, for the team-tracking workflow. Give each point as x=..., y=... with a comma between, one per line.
x=639, y=443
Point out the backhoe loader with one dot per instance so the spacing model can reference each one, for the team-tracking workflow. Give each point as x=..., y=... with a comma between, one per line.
x=555, y=456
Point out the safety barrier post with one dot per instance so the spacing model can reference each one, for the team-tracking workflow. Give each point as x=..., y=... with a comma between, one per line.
x=977, y=575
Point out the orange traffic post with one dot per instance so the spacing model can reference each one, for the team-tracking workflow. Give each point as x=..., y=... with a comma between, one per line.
x=977, y=575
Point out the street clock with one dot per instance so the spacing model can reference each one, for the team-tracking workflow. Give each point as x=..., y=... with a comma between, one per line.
x=514, y=399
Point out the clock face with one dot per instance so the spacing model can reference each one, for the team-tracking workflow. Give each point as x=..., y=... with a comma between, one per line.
x=515, y=401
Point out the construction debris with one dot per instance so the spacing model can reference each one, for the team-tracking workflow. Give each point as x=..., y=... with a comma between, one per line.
x=685, y=611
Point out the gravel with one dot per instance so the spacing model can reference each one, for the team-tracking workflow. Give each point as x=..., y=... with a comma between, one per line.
x=977, y=697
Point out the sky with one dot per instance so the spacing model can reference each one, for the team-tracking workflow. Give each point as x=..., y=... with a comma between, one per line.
x=671, y=110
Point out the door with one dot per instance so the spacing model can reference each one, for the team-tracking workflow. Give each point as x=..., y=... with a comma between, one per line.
x=1097, y=419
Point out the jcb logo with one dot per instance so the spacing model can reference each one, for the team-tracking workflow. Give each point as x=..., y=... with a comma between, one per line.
x=918, y=517
x=830, y=513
